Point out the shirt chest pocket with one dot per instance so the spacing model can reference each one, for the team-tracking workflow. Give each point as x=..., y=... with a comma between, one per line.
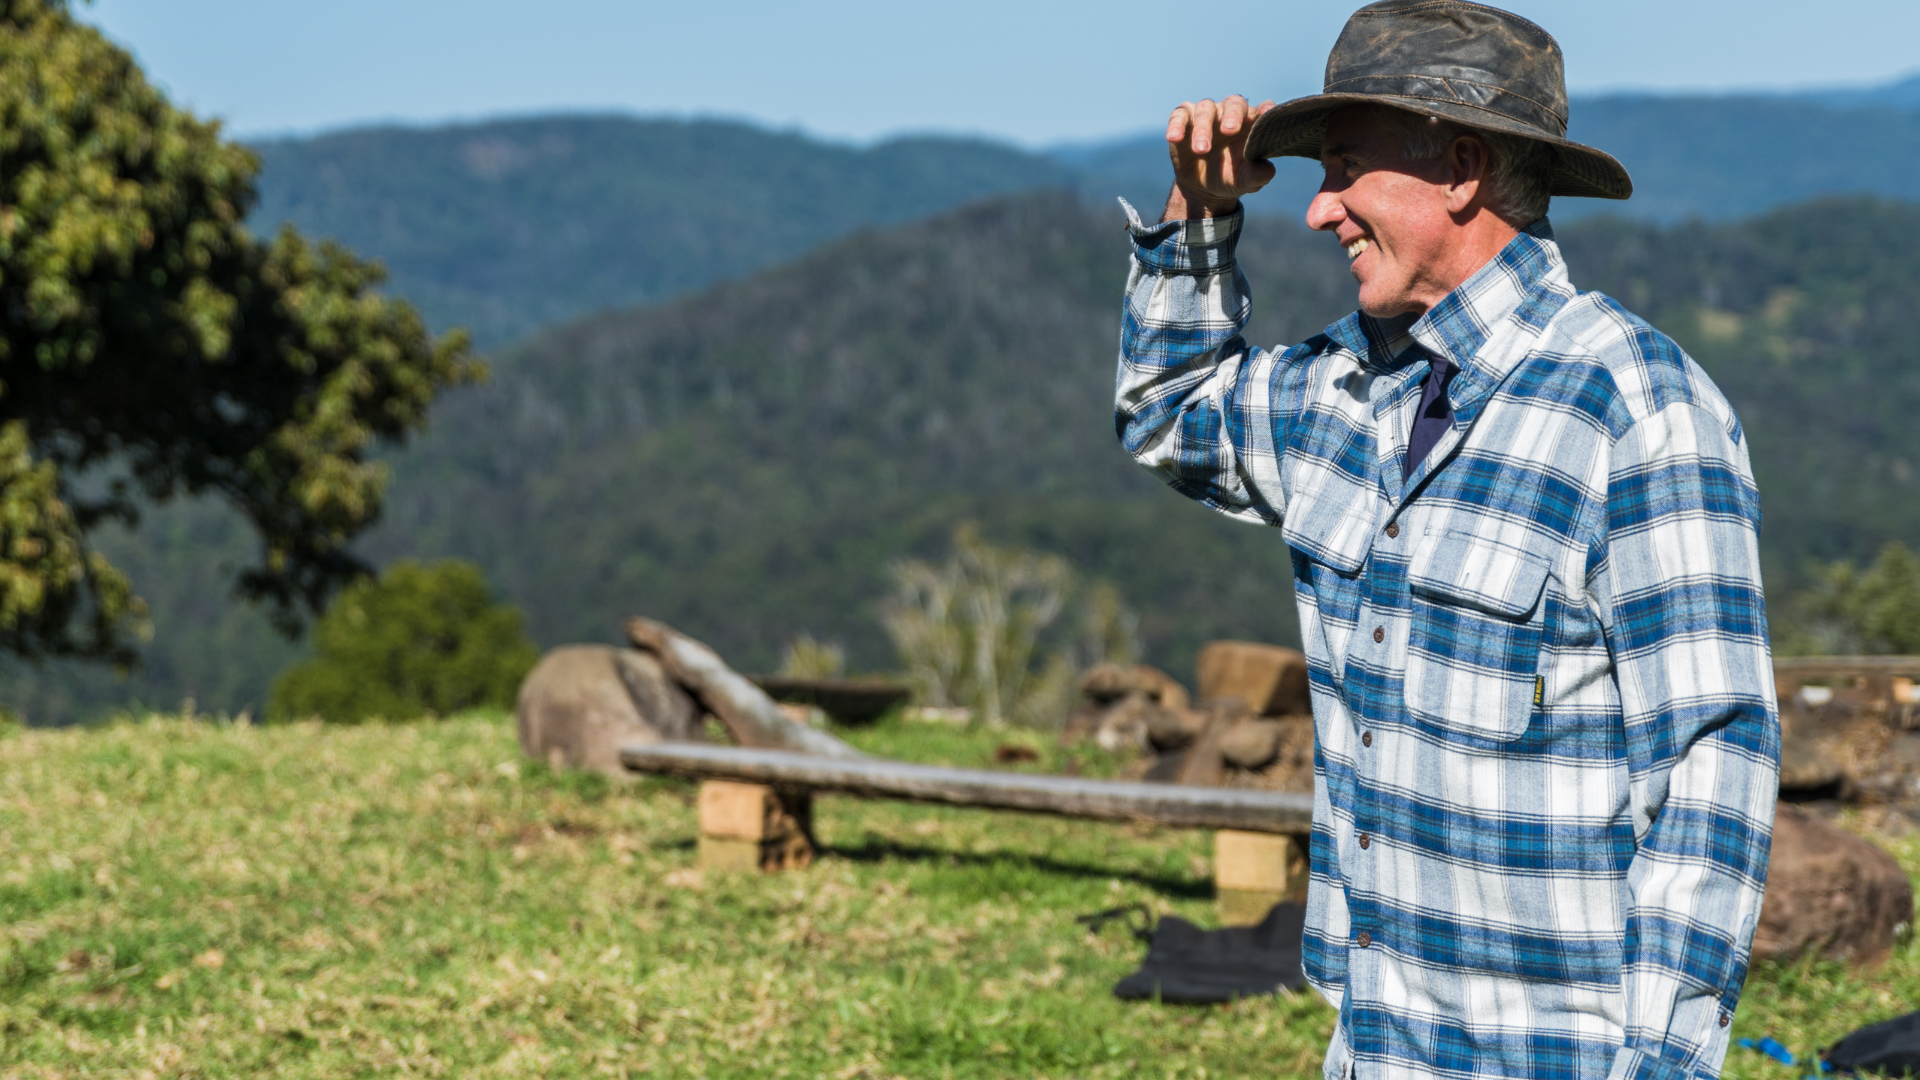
x=1473, y=650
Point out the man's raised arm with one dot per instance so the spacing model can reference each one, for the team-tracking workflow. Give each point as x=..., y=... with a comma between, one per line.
x=1191, y=398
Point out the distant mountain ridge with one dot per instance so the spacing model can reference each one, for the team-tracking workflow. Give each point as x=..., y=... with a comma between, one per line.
x=508, y=226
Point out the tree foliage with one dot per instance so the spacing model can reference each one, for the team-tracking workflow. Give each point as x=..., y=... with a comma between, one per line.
x=423, y=639
x=152, y=347
x=1859, y=610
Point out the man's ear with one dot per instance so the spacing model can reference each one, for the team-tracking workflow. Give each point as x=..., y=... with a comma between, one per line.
x=1468, y=162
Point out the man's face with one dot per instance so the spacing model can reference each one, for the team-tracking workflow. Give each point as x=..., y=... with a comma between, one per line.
x=1389, y=214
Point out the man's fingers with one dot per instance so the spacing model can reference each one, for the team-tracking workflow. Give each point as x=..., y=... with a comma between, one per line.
x=1261, y=109
x=1204, y=114
x=1233, y=112
x=1177, y=123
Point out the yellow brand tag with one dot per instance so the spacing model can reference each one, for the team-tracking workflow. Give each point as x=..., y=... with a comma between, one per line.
x=1539, y=690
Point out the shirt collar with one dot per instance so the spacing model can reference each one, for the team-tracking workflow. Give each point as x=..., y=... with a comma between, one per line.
x=1526, y=272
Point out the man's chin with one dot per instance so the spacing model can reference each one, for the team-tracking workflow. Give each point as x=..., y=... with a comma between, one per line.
x=1385, y=307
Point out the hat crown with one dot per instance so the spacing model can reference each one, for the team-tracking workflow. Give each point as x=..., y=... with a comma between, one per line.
x=1453, y=51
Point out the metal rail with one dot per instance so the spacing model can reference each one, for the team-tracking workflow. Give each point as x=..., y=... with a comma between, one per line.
x=1069, y=796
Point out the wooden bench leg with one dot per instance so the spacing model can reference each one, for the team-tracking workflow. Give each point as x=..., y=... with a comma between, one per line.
x=1254, y=871
x=754, y=827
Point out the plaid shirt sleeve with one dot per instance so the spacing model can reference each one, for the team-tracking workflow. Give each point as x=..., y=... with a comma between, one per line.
x=1679, y=595
x=1195, y=403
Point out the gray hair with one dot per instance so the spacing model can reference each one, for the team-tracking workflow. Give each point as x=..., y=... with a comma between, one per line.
x=1520, y=176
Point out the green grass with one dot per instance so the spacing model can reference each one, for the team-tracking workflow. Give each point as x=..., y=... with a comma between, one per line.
x=183, y=898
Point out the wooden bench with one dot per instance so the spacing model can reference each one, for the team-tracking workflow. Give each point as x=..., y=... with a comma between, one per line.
x=756, y=811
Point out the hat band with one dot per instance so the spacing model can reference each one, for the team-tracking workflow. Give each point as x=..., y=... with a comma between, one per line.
x=1456, y=90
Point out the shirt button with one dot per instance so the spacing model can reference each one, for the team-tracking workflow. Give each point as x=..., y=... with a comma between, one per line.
x=1379, y=634
x=1365, y=841
x=1366, y=738
x=1393, y=530
x=1365, y=939
x=1725, y=1019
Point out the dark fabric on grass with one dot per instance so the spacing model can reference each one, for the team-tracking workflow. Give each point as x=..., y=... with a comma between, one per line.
x=1191, y=966
x=1891, y=1047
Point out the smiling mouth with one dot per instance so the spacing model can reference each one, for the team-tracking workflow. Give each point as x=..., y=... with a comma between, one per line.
x=1357, y=247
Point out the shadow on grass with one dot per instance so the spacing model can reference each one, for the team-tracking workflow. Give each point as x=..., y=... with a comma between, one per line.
x=875, y=850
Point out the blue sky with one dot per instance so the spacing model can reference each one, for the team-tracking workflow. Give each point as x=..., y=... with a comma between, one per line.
x=1033, y=71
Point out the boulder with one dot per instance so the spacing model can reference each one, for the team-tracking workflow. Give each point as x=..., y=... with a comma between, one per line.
x=1108, y=683
x=1830, y=894
x=581, y=703
x=1808, y=767
x=1252, y=744
x=1203, y=764
x=1271, y=680
x=1123, y=726
x=1172, y=729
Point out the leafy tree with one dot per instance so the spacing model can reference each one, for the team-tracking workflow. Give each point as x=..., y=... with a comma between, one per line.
x=1853, y=610
x=152, y=347
x=424, y=639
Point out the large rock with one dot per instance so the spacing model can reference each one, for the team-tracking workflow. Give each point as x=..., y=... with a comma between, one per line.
x=1829, y=893
x=1269, y=679
x=1252, y=744
x=581, y=703
x=1105, y=684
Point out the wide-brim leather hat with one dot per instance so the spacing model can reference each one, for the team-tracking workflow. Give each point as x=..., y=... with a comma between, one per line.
x=1465, y=62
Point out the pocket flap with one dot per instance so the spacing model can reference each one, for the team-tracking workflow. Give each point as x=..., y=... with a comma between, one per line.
x=1461, y=568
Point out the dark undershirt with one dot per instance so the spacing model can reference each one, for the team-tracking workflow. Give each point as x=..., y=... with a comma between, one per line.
x=1435, y=415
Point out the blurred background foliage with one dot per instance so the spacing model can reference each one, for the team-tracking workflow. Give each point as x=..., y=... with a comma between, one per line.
x=1856, y=610
x=424, y=639
x=154, y=347
x=1003, y=632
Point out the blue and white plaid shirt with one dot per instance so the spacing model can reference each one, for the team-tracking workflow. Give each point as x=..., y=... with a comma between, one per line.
x=1547, y=742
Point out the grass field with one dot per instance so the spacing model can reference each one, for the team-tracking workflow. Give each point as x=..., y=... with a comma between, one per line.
x=186, y=898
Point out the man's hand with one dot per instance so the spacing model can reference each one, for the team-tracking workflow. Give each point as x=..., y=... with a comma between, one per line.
x=1208, y=144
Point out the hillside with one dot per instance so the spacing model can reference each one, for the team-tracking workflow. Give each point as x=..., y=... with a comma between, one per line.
x=745, y=462
x=510, y=225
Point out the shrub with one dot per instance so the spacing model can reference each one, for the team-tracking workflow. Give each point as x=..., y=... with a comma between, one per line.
x=1851, y=610
x=422, y=639
x=976, y=631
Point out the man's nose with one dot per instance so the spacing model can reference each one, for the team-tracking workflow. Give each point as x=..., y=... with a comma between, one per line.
x=1326, y=211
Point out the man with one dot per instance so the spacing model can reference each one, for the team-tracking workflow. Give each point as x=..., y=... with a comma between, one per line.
x=1524, y=538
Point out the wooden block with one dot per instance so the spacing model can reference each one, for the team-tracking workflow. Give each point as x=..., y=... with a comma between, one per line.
x=754, y=827
x=1254, y=871
x=1904, y=691
x=1244, y=907
x=736, y=811
x=723, y=854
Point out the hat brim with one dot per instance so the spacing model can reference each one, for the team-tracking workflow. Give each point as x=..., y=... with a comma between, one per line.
x=1296, y=129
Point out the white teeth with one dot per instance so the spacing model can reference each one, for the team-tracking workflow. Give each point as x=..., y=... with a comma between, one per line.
x=1354, y=249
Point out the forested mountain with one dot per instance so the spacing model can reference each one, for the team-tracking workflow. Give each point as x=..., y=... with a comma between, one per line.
x=507, y=226
x=510, y=225
x=746, y=461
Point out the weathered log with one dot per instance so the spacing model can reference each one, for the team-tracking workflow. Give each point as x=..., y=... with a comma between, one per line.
x=750, y=716
x=849, y=701
x=1106, y=800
